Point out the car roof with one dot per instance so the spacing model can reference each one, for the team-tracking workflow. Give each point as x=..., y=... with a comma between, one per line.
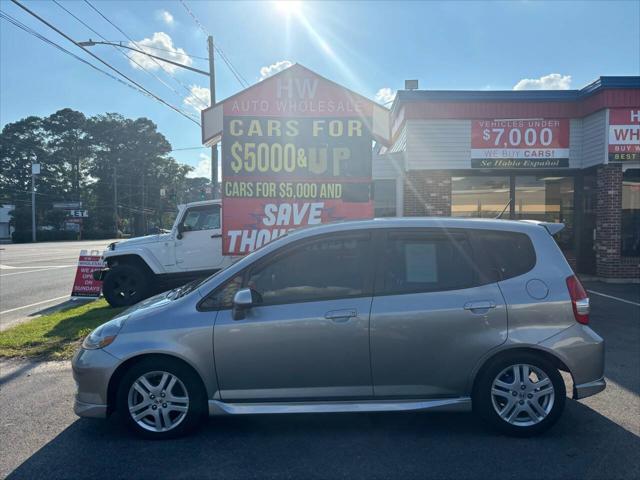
x=420, y=222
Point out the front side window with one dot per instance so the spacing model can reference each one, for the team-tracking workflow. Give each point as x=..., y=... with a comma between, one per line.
x=417, y=262
x=631, y=213
x=335, y=267
x=202, y=218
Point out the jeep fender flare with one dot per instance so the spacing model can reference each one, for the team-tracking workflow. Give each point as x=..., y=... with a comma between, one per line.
x=136, y=254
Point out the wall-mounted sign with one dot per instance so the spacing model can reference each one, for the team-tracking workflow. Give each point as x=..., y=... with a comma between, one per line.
x=78, y=213
x=520, y=143
x=67, y=205
x=624, y=134
x=296, y=151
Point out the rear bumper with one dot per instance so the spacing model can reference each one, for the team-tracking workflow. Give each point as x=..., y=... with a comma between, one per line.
x=587, y=389
x=582, y=351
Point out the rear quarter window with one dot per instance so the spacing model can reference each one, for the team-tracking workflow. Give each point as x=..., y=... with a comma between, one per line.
x=503, y=255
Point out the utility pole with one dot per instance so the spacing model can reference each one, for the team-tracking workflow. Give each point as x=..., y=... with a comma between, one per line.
x=35, y=170
x=115, y=198
x=212, y=89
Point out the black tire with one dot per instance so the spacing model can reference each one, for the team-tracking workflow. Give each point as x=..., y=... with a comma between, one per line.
x=193, y=387
x=483, y=399
x=126, y=285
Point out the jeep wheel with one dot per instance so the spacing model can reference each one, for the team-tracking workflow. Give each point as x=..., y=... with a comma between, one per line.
x=125, y=285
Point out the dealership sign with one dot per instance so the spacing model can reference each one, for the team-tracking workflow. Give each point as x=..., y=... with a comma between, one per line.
x=624, y=134
x=296, y=151
x=84, y=285
x=520, y=143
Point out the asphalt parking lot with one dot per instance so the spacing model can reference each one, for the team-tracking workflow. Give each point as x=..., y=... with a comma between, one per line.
x=596, y=438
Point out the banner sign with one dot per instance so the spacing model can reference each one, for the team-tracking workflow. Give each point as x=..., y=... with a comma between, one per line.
x=520, y=143
x=296, y=151
x=624, y=134
x=84, y=285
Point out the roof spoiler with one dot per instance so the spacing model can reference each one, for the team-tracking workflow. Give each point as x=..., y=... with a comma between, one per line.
x=551, y=227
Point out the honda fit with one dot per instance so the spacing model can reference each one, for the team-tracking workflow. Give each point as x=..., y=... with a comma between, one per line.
x=364, y=316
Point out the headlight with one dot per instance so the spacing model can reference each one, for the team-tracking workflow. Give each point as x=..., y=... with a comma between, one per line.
x=104, y=335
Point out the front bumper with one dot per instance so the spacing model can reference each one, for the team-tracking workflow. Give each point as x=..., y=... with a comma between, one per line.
x=100, y=274
x=92, y=370
x=582, y=351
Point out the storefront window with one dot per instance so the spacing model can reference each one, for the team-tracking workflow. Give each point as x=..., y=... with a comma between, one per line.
x=548, y=199
x=384, y=198
x=631, y=213
x=479, y=196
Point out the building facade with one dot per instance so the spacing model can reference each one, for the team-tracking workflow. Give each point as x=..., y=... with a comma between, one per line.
x=570, y=156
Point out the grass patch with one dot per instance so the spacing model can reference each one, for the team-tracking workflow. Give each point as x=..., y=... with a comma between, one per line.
x=55, y=336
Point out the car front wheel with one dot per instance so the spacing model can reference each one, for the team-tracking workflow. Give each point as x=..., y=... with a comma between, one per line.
x=520, y=394
x=160, y=398
x=125, y=285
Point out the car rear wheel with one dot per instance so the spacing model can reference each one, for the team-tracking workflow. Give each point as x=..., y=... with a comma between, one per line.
x=125, y=285
x=520, y=394
x=161, y=398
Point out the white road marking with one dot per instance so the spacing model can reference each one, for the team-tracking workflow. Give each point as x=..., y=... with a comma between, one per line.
x=34, y=271
x=2, y=267
x=35, y=304
x=614, y=298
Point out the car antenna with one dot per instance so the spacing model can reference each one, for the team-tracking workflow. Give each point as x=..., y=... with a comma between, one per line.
x=504, y=209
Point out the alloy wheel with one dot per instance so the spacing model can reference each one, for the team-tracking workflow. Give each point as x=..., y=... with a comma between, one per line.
x=158, y=401
x=522, y=395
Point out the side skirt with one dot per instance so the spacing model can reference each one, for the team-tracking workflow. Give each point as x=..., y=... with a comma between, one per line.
x=461, y=404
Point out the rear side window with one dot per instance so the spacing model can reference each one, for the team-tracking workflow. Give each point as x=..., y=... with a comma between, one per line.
x=426, y=262
x=503, y=255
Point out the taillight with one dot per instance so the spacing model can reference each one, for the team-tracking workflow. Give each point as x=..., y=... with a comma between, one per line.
x=579, y=300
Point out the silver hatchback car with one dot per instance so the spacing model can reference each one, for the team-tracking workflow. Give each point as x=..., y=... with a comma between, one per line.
x=365, y=316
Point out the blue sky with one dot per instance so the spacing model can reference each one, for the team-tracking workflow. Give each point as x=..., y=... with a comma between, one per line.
x=366, y=46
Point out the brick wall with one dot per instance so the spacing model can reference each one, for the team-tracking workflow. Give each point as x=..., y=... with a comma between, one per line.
x=609, y=262
x=427, y=193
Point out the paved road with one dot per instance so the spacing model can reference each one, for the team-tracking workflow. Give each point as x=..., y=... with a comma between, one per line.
x=596, y=438
x=35, y=277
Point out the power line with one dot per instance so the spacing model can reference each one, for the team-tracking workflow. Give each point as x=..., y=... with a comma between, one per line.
x=141, y=48
x=60, y=32
x=120, y=51
x=24, y=27
x=243, y=82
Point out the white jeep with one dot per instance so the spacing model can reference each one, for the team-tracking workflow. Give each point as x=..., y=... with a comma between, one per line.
x=140, y=267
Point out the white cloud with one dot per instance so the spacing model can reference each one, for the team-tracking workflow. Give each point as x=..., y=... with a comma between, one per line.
x=553, y=81
x=266, y=72
x=166, y=17
x=162, y=41
x=199, y=99
x=385, y=95
x=203, y=168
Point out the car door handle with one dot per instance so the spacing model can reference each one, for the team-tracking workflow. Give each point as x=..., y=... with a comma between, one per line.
x=216, y=235
x=481, y=305
x=340, y=316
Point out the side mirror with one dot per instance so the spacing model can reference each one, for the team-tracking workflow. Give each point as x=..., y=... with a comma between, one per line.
x=180, y=231
x=243, y=300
